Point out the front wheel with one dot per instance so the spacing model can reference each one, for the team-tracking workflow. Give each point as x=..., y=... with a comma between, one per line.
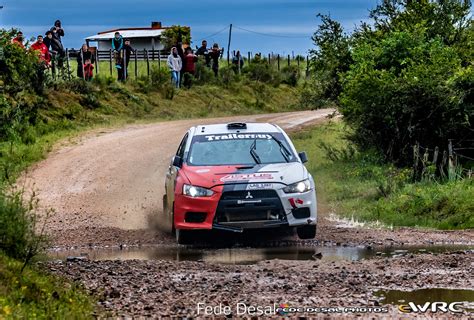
x=183, y=236
x=306, y=232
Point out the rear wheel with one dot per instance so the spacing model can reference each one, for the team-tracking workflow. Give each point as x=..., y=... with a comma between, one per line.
x=306, y=232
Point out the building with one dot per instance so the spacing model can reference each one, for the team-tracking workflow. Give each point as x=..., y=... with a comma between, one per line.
x=141, y=38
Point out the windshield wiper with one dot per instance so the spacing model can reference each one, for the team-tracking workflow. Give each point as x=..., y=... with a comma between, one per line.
x=283, y=150
x=253, y=153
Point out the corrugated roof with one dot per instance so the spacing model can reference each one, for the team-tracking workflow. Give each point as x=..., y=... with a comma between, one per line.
x=127, y=34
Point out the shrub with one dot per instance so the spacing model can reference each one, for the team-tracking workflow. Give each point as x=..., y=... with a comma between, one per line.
x=290, y=75
x=263, y=72
x=18, y=226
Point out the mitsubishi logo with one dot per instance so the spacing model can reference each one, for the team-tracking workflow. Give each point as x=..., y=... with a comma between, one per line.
x=249, y=196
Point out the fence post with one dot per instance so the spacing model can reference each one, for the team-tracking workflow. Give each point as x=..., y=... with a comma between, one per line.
x=278, y=60
x=125, y=75
x=416, y=158
x=269, y=59
x=451, y=171
x=136, y=64
x=307, y=66
x=435, y=155
x=159, y=59
x=248, y=59
x=147, y=62
x=110, y=61
x=67, y=64
x=97, y=61
x=288, y=60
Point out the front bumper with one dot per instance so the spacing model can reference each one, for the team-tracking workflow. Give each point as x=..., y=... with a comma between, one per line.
x=234, y=211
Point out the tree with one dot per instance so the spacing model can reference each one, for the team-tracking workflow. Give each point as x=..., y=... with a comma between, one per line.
x=175, y=34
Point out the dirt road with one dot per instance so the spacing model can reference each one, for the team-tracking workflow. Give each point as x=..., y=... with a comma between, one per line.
x=106, y=190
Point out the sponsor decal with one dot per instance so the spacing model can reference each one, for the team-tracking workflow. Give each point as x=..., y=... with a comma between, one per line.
x=247, y=176
x=296, y=202
x=431, y=306
x=236, y=136
x=202, y=170
x=259, y=186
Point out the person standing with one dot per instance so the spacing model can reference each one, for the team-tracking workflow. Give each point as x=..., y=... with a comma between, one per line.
x=42, y=50
x=18, y=40
x=189, y=67
x=126, y=54
x=59, y=30
x=203, y=51
x=175, y=64
x=237, y=62
x=83, y=56
x=117, y=47
x=55, y=48
x=215, y=55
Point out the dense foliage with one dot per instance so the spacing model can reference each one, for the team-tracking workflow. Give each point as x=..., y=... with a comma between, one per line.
x=176, y=34
x=404, y=78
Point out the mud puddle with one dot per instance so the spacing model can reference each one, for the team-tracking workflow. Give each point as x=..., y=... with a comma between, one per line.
x=248, y=255
x=421, y=296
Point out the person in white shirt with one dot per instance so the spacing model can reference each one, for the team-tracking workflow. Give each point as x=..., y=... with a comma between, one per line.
x=175, y=64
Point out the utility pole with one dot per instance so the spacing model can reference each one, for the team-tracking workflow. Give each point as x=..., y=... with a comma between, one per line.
x=228, y=45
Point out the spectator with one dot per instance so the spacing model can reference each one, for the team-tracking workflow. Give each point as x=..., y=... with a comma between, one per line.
x=84, y=55
x=19, y=39
x=59, y=31
x=55, y=48
x=88, y=70
x=43, y=51
x=123, y=71
x=215, y=55
x=117, y=46
x=203, y=51
x=237, y=62
x=175, y=64
x=189, y=67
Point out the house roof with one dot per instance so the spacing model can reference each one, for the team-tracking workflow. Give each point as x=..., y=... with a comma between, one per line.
x=127, y=33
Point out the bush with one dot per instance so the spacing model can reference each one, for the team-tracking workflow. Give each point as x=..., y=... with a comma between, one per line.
x=262, y=72
x=18, y=226
x=290, y=75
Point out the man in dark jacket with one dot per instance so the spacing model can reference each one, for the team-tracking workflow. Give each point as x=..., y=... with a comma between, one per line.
x=215, y=55
x=203, y=51
x=59, y=30
x=127, y=55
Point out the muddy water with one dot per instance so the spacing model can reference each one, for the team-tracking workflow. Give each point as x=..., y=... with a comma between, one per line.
x=248, y=255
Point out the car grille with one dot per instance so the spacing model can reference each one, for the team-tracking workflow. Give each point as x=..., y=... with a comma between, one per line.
x=240, y=206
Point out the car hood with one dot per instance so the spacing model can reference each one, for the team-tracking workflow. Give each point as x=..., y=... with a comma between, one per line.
x=210, y=176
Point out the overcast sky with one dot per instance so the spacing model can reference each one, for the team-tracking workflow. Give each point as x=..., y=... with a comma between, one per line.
x=287, y=25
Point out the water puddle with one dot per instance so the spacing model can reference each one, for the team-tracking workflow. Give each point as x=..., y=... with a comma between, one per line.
x=247, y=255
x=422, y=296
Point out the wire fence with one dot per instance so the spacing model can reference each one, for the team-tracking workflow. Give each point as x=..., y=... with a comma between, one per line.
x=141, y=62
x=453, y=163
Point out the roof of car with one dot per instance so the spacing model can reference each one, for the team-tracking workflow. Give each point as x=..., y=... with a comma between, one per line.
x=223, y=128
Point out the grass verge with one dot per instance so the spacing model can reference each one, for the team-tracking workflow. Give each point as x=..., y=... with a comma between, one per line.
x=360, y=186
x=33, y=294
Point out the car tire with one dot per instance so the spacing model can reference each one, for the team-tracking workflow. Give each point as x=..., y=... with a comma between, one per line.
x=183, y=236
x=306, y=232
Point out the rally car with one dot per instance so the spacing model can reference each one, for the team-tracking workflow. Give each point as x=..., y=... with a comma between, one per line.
x=238, y=176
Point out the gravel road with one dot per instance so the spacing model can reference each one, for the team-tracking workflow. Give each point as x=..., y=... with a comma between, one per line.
x=106, y=189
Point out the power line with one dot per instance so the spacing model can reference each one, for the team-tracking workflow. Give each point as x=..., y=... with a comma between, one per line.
x=214, y=34
x=272, y=34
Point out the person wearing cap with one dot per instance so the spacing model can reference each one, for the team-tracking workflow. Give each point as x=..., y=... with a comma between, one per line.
x=215, y=55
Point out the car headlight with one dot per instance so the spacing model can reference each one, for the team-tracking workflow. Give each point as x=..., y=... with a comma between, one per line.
x=298, y=187
x=193, y=191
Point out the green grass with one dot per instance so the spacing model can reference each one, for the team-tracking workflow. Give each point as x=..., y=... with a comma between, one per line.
x=360, y=186
x=32, y=294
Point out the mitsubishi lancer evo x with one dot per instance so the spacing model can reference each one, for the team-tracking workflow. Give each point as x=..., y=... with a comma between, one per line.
x=238, y=176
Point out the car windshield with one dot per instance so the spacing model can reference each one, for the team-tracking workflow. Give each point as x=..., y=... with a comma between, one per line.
x=240, y=149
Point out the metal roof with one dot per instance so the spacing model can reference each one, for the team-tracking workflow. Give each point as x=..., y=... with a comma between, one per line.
x=150, y=33
x=222, y=128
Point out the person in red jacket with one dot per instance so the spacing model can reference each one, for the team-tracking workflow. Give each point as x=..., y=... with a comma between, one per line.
x=43, y=51
x=189, y=69
x=18, y=40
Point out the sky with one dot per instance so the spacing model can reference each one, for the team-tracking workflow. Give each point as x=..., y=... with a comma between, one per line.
x=267, y=26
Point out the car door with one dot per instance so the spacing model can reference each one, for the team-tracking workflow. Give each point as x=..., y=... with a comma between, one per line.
x=172, y=173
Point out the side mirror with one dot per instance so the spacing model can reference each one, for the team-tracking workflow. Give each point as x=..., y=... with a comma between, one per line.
x=303, y=157
x=177, y=161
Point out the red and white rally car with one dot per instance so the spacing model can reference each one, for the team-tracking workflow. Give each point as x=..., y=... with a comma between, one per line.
x=238, y=176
